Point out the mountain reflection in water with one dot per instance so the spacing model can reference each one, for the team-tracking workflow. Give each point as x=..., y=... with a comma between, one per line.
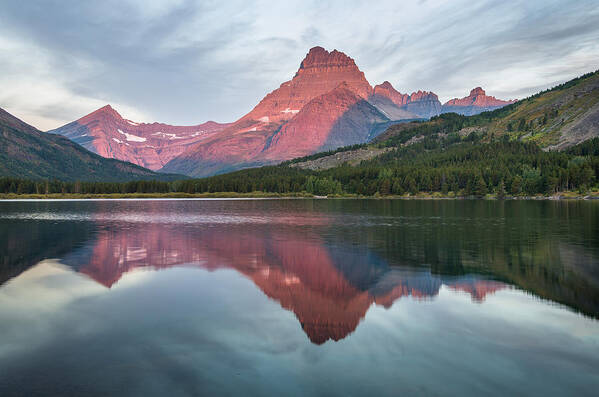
x=329, y=288
x=326, y=265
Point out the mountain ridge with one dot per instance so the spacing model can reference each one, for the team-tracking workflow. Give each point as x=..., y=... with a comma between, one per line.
x=26, y=152
x=476, y=102
x=150, y=145
x=275, y=130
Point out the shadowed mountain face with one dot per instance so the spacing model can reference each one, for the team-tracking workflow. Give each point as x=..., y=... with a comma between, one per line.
x=327, y=262
x=337, y=118
x=420, y=104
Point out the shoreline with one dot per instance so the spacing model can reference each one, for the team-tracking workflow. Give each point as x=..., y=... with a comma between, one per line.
x=262, y=195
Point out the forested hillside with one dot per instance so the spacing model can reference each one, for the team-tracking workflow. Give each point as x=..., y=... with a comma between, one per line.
x=466, y=168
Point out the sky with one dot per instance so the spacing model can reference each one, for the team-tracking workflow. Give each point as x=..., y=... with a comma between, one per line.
x=187, y=62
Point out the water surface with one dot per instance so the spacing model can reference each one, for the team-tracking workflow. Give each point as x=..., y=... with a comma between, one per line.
x=297, y=297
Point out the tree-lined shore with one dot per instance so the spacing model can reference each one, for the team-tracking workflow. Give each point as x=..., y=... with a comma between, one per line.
x=435, y=167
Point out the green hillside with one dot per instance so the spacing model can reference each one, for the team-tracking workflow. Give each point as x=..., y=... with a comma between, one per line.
x=554, y=119
x=28, y=153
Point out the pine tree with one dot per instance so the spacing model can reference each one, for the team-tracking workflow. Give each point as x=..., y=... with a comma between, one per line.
x=522, y=125
x=397, y=188
x=385, y=187
x=444, y=188
x=480, y=186
x=501, y=190
x=517, y=185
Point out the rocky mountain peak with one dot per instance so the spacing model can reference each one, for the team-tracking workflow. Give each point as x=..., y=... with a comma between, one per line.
x=478, y=101
x=477, y=91
x=385, y=85
x=320, y=72
x=423, y=104
x=318, y=58
x=105, y=111
x=386, y=89
x=423, y=96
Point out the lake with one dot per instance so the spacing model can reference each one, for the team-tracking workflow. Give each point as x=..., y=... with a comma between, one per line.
x=299, y=297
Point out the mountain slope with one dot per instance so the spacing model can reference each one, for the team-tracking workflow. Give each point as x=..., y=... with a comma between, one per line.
x=554, y=119
x=320, y=72
x=337, y=118
x=153, y=145
x=557, y=118
x=26, y=152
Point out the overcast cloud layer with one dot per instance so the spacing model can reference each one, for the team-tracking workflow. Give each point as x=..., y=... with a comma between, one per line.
x=186, y=62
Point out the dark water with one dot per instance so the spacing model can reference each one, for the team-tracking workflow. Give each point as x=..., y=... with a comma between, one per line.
x=299, y=297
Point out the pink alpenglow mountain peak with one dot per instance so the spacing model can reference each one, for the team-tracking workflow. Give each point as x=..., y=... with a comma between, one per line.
x=327, y=104
x=320, y=72
x=153, y=145
x=324, y=106
x=477, y=102
x=421, y=104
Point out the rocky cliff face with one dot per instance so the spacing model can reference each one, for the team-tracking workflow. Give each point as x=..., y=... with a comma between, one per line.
x=320, y=72
x=423, y=103
x=108, y=134
x=477, y=102
x=387, y=90
x=420, y=104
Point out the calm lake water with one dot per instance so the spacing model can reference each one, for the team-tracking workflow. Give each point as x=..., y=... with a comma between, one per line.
x=299, y=297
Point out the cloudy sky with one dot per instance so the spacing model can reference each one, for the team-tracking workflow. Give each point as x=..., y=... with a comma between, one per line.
x=186, y=62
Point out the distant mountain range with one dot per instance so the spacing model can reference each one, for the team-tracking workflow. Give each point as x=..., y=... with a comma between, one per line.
x=326, y=105
x=475, y=103
x=26, y=152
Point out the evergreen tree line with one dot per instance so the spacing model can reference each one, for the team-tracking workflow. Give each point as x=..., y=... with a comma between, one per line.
x=27, y=186
x=433, y=165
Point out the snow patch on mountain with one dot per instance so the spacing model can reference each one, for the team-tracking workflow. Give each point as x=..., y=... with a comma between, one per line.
x=131, y=137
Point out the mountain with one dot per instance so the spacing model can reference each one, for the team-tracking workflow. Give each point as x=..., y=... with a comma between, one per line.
x=423, y=103
x=420, y=104
x=477, y=102
x=327, y=104
x=153, y=145
x=338, y=118
x=554, y=119
x=26, y=152
x=320, y=72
